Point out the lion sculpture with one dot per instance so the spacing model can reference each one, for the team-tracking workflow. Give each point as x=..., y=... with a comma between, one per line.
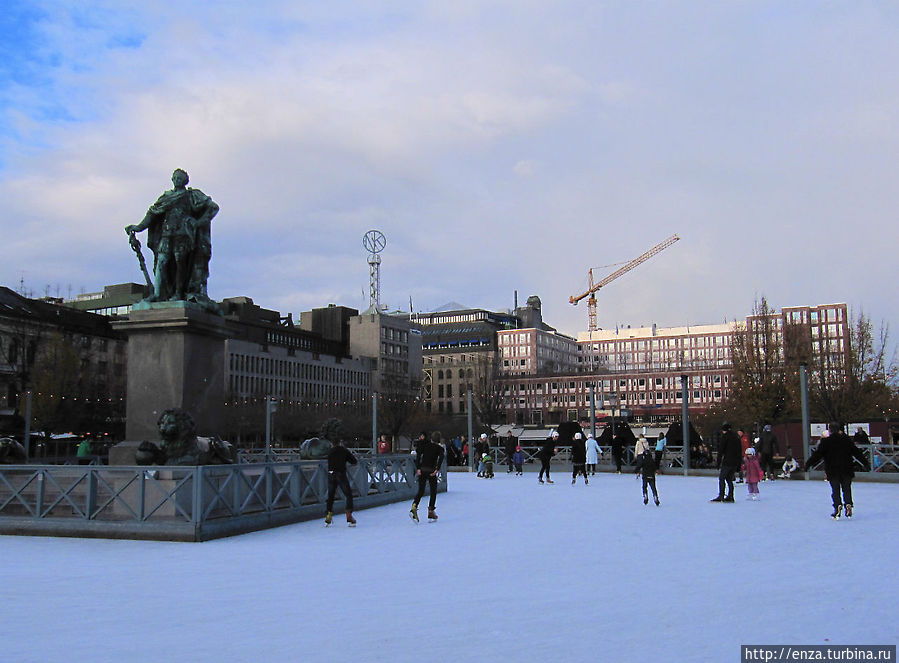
x=180, y=444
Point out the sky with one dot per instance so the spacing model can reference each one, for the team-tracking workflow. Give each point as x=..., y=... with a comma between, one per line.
x=500, y=146
x=511, y=571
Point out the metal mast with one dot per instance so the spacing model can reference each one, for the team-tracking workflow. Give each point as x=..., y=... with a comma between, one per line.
x=374, y=242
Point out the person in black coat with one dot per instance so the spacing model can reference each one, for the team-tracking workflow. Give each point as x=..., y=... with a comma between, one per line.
x=839, y=453
x=578, y=458
x=617, y=451
x=767, y=450
x=510, y=450
x=338, y=457
x=647, y=466
x=547, y=451
x=730, y=456
x=428, y=462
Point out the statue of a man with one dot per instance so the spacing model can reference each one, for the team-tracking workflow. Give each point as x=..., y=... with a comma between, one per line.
x=178, y=233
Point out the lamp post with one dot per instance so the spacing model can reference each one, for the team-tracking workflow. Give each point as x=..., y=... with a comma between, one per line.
x=470, y=432
x=374, y=424
x=592, y=387
x=270, y=407
x=685, y=423
x=803, y=384
x=613, y=404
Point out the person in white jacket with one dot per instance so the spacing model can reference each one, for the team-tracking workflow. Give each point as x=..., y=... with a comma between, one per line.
x=641, y=446
x=592, y=454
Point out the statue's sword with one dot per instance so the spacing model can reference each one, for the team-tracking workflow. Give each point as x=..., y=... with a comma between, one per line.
x=135, y=244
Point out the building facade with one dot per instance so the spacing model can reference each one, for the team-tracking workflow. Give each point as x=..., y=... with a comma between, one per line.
x=71, y=362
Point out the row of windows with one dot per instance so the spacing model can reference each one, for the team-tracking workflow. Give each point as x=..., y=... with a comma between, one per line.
x=391, y=334
x=642, y=398
x=245, y=385
x=295, y=370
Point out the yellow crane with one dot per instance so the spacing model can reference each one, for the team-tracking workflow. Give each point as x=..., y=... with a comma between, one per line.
x=593, y=287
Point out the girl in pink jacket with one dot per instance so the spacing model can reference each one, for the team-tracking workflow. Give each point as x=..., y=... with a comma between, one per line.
x=753, y=472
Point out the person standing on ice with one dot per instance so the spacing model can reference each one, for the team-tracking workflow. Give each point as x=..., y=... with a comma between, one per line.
x=753, y=473
x=518, y=459
x=617, y=450
x=839, y=453
x=767, y=448
x=728, y=462
x=510, y=450
x=481, y=447
x=578, y=458
x=428, y=462
x=646, y=465
x=338, y=457
x=547, y=451
x=592, y=454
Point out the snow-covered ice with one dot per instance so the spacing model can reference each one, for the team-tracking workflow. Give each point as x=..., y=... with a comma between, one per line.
x=512, y=571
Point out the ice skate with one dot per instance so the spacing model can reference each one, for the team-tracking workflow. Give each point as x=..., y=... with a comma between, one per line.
x=729, y=498
x=720, y=498
x=550, y=481
x=350, y=521
x=645, y=499
x=657, y=502
x=539, y=480
x=413, y=512
x=572, y=481
x=848, y=508
x=837, y=511
x=432, y=515
x=586, y=481
x=328, y=519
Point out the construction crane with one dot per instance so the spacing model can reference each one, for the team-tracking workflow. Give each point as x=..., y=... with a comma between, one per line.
x=593, y=287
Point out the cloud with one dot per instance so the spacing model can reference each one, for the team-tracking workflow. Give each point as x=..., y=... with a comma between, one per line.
x=499, y=146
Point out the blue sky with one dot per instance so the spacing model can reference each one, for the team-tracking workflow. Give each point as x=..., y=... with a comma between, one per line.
x=500, y=146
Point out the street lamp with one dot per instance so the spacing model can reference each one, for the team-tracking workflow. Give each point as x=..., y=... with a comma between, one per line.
x=270, y=406
x=614, y=402
x=592, y=387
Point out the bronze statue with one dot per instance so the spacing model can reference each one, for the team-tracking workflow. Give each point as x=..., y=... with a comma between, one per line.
x=179, y=234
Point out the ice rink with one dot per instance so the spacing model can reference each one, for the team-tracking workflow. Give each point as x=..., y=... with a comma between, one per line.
x=512, y=571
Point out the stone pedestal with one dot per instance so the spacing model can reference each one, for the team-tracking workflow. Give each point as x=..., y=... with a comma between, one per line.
x=176, y=358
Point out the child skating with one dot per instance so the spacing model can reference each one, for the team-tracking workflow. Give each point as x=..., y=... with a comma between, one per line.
x=753, y=472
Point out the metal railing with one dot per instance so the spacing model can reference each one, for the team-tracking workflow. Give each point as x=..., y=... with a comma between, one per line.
x=187, y=503
x=673, y=456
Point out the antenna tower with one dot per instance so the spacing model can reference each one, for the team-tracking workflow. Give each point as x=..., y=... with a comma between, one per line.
x=374, y=242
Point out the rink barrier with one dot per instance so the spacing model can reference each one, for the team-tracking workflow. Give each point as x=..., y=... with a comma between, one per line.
x=195, y=503
x=883, y=459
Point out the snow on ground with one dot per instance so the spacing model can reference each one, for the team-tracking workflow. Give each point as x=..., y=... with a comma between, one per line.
x=513, y=571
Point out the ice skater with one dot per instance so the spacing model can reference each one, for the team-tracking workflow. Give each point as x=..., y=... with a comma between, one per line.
x=338, y=457
x=753, y=472
x=592, y=454
x=646, y=465
x=839, y=454
x=488, y=465
x=578, y=459
x=518, y=459
x=728, y=462
x=428, y=462
x=546, y=453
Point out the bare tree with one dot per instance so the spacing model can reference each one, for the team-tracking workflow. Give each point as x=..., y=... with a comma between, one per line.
x=760, y=391
x=398, y=404
x=854, y=383
x=489, y=389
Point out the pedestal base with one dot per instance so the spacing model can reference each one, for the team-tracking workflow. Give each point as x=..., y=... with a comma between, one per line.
x=176, y=359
